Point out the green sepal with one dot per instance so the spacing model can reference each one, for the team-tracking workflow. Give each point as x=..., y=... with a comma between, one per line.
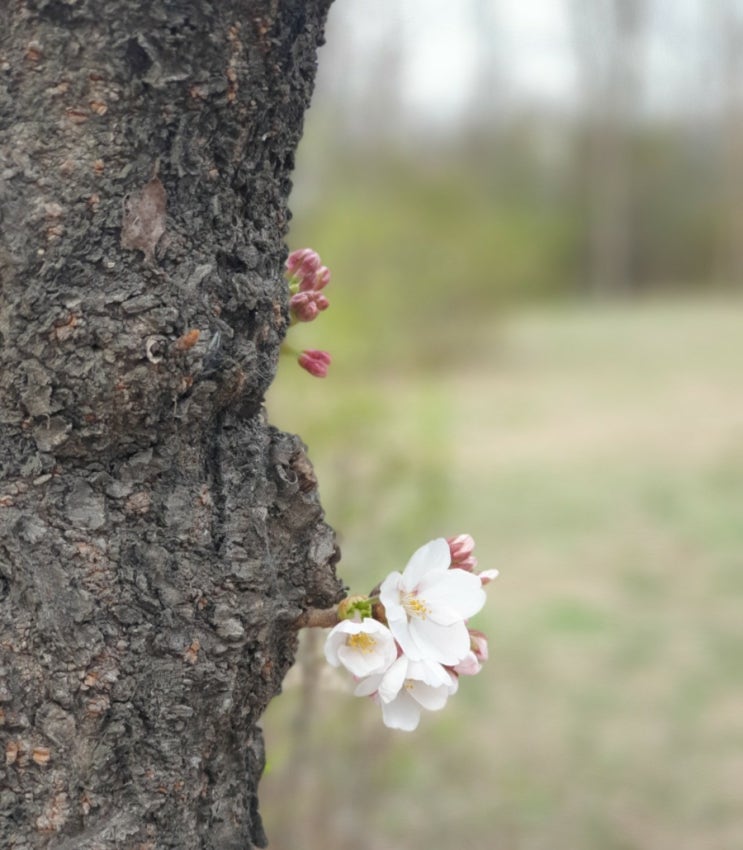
x=352, y=606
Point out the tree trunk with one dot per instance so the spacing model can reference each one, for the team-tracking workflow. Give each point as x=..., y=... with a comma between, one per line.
x=158, y=538
x=608, y=42
x=730, y=22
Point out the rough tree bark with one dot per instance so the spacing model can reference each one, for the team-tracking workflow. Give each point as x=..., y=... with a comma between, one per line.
x=158, y=538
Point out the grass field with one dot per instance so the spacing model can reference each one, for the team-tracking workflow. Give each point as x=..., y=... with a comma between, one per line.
x=596, y=454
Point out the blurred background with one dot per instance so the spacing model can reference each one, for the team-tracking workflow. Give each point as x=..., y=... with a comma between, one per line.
x=533, y=213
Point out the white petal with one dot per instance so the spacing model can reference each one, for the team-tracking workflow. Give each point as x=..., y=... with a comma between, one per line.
x=393, y=680
x=368, y=686
x=389, y=596
x=362, y=664
x=456, y=595
x=433, y=557
x=453, y=684
x=335, y=639
x=402, y=713
x=375, y=657
x=403, y=635
x=432, y=699
x=430, y=672
x=446, y=644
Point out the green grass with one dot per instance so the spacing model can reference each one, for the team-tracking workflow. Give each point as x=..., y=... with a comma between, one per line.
x=596, y=454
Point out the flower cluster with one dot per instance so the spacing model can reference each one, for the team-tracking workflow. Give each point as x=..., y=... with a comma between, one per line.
x=307, y=277
x=407, y=646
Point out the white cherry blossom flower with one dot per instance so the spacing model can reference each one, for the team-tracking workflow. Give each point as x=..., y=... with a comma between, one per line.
x=427, y=604
x=406, y=688
x=363, y=648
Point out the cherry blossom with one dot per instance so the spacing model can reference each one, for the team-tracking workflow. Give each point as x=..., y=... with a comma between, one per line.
x=426, y=605
x=408, y=642
x=406, y=688
x=363, y=648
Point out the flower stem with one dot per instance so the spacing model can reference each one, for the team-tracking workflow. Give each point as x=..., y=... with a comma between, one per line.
x=316, y=618
x=288, y=350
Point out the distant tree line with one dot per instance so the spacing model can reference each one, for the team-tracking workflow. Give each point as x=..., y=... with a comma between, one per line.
x=609, y=196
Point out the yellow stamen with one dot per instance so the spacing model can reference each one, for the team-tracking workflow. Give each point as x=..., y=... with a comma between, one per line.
x=415, y=607
x=363, y=641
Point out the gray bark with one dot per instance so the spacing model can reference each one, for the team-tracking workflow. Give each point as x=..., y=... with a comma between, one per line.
x=158, y=538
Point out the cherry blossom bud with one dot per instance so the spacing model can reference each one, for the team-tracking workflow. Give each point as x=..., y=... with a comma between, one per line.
x=303, y=308
x=322, y=278
x=471, y=664
x=486, y=576
x=310, y=280
x=479, y=644
x=321, y=301
x=461, y=548
x=468, y=666
x=315, y=362
x=304, y=261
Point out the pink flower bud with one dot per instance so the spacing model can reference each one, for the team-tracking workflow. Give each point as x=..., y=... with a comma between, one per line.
x=468, y=666
x=315, y=362
x=322, y=278
x=479, y=644
x=304, y=259
x=486, y=576
x=305, y=306
x=461, y=548
x=311, y=281
x=305, y=280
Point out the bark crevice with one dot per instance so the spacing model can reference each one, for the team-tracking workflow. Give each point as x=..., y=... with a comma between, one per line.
x=214, y=475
